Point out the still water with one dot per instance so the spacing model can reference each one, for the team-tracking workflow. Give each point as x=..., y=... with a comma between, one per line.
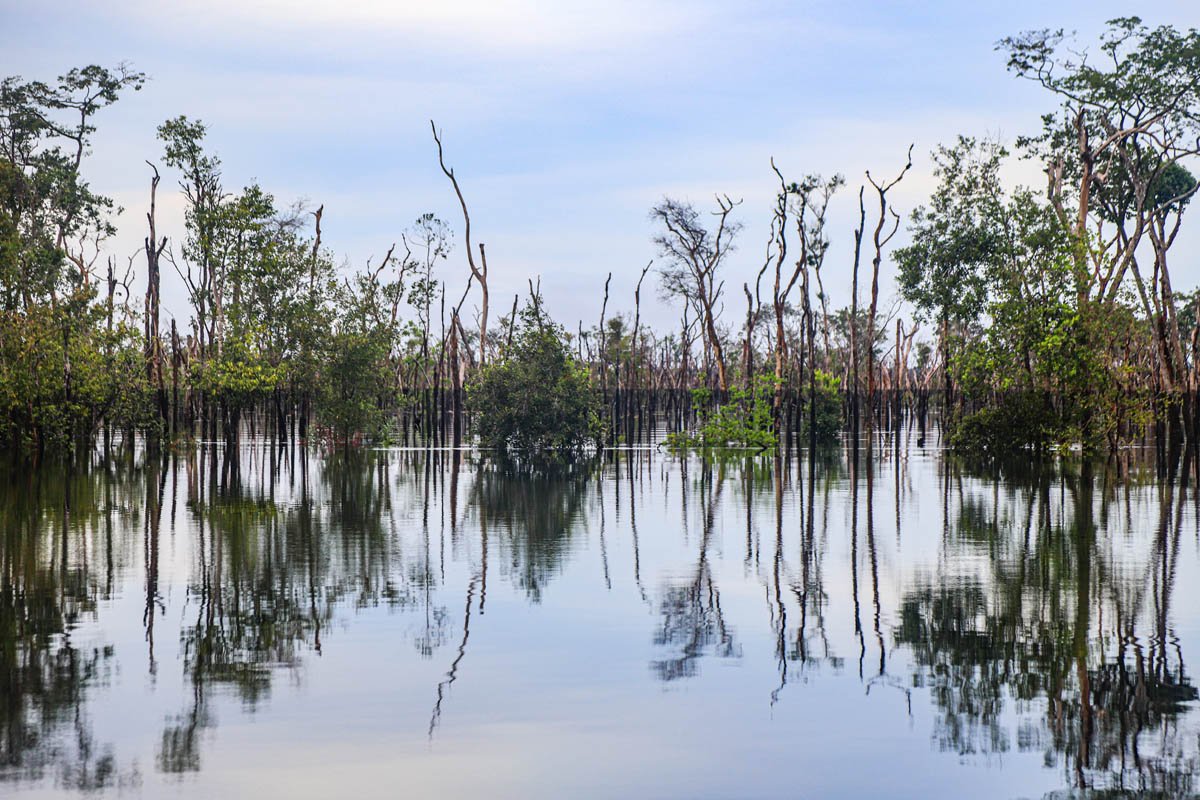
x=275, y=624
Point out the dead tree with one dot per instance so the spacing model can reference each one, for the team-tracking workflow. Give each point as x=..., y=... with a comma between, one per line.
x=602, y=350
x=694, y=256
x=153, y=343
x=748, y=342
x=316, y=248
x=637, y=315
x=478, y=271
x=880, y=240
x=852, y=365
x=808, y=202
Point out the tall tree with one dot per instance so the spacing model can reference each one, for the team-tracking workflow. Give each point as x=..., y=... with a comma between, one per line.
x=478, y=271
x=694, y=257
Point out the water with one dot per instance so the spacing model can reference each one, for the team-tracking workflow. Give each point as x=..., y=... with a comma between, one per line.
x=405, y=623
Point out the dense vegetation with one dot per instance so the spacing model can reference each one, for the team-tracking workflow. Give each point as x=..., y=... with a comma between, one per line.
x=535, y=400
x=1052, y=319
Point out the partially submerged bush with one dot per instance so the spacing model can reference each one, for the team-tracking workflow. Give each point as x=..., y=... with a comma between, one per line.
x=1018, y=421
x=823, y=409
x=535, y=401
x=355, y=382
x=743, y=421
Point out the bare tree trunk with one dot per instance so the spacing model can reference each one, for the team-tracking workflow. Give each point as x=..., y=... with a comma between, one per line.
x=480, y=271
x=748, y=342
x=153, y=344
x=637, y=315
x=455, y=381
x=853, y=364
x=316, y=248
x=880, y=240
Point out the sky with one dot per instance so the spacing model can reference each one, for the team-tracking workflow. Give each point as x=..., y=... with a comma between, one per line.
x=565, y=120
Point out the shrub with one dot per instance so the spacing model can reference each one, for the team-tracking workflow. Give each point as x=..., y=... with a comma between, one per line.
x=355, y=385
x=744, y=421
x=1016, y=422
x=826, y=407
x=535, y=401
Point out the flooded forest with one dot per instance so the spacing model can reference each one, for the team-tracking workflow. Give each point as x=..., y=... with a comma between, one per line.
x=316, y=528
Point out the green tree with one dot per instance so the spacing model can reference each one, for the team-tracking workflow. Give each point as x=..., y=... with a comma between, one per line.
x=183, y=142
x=1129, y=118
x=747, y=420
x=996, y=270
x=55, y=356
x=535, y=402
x=356, y=382
x=957, y=241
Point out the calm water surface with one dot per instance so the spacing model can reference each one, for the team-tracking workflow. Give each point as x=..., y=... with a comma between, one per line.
x=426, y=624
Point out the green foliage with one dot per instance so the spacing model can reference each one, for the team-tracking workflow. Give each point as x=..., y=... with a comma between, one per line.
x=536, y=401
x=61, y=373
x=1051, y=376
x=354, y=384
x=183, y=141
x=45, y=131
x=959, y=238
x=239, y=375
x=746, y=420
x=355, y=379
x=1150, y=71
x=59, y=349
x=823, y=411
x=999, y=270
x=1016, y=422
x=1127, y=116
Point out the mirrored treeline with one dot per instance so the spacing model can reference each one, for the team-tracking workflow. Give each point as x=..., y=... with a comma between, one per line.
x=1030, y=622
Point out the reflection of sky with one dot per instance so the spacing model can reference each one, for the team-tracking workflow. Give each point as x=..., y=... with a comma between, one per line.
x=557, y=698
x=565, y=120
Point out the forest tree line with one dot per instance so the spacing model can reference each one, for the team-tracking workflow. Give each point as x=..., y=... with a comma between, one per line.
x=1033, y=316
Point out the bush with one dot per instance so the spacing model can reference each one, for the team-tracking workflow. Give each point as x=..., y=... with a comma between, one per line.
x=355, y=385
x=744, y=421
x=826, y=408
x=1016, y=422
x=535, y=401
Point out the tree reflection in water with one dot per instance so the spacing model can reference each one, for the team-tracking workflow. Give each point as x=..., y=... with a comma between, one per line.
x=57, y=560
x=1066, y=627
x=691, y=622
x=271, y=567
x=536, y=515
x=1045, y=623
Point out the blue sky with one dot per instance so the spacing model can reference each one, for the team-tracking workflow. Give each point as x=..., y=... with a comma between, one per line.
x=565, y=121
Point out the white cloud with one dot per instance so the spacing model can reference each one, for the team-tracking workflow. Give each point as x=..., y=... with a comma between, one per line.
x=565, y=119
x=527, y=28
